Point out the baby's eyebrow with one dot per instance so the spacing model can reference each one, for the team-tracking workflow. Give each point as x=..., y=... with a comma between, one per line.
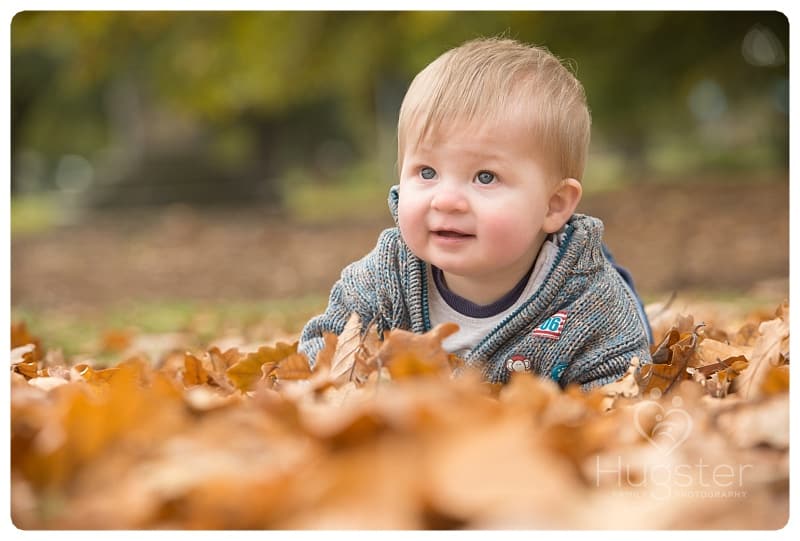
x=490, y=158
x=476, y=157
x=490, y=155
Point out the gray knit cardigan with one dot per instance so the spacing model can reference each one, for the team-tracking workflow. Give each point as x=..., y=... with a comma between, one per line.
x=580, y=326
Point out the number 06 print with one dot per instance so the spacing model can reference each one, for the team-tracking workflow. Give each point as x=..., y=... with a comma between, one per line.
x=552, y=326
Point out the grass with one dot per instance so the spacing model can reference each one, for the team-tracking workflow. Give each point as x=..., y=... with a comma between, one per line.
x=87, y=335
x=82, y=335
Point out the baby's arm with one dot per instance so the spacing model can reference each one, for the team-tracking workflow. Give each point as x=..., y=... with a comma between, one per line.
x=343, y=301
x=591, y=369
x=609, y=342
x=357, y=290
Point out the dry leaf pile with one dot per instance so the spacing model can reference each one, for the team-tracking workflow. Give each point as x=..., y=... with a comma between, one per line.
x=382, y=435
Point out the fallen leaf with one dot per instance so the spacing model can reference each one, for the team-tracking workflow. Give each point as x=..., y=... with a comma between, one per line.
x=47, y=382
x=366, y=355
x=325, y=355
x=717, y=384
x=344, y=357
x=767, y=353
x=22, y=353
x=516, y=491
x=295, y=366
x=684, y=323
x=129, y=445
x=710, y=351
x=205, y=398
x=626, y=387
x=776, y=381
x=739, y=363
x=746, y=335
x=662, y=353
x=407, y=354
x=246, y=372
x=24, y=360
x=193, y=371
x=766, y=422
x=216, y=364
x=87, y=373
x=673, y=359
x=116, y=340
x=20, y=336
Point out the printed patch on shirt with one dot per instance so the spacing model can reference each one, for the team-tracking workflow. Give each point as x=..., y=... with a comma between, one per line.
x=552, y=326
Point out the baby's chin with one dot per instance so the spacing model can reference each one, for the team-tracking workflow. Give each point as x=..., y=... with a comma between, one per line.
x=454, y=266
x=449, y=268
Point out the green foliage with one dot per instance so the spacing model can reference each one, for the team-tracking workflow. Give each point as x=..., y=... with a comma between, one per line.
x=253, y=94
x=33, y=214
x=359, y=193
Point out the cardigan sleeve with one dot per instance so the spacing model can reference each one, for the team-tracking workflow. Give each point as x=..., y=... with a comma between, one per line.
x=605, y=358
x=609, y=369
x=613, y=335
x=359, y=289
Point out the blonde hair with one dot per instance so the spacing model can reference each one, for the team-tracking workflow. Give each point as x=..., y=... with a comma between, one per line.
x=501, y=80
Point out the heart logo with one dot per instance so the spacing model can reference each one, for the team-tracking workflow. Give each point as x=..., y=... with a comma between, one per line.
x=672, y=426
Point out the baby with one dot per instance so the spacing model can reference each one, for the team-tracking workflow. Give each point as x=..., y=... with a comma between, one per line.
x=492, y=143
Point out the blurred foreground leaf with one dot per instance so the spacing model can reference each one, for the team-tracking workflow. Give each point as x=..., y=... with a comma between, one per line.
x=391, y=439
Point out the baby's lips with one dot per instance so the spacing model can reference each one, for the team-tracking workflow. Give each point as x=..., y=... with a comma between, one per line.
x=451, y=234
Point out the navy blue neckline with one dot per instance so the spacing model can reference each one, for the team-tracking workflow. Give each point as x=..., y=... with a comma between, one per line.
x=470, y=309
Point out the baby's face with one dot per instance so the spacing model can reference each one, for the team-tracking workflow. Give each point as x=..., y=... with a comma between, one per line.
x=473, y=201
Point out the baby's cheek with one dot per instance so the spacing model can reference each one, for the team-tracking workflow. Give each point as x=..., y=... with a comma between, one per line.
x=509, y=236
x=403, y=219
x=505, y=228
x=410, y=225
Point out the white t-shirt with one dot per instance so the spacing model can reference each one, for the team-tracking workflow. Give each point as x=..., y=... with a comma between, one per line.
x=473, y=329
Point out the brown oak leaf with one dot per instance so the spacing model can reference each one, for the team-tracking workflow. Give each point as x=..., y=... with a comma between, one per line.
x=407, y=354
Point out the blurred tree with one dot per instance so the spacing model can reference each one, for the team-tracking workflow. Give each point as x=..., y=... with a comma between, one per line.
x=639, y=83
x=215, y=106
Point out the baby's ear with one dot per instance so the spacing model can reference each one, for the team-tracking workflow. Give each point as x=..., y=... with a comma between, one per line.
x=563, y=199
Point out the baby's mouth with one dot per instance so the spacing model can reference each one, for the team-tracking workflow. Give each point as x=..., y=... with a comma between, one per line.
x=450, y=234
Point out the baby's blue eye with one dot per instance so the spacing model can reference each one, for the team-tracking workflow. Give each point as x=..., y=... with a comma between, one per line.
x=427, y=173
x=485, y=177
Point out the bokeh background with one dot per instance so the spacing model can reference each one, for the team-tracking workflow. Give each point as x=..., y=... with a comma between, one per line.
x=211, y=173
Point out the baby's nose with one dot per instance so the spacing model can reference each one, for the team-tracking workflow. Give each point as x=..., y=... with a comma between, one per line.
x=449, y=198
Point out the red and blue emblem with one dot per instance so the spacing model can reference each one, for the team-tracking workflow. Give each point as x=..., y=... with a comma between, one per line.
x=552, y=326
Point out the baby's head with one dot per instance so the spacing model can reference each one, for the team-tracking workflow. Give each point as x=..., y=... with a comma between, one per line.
x=492, y=142
x=501, y=81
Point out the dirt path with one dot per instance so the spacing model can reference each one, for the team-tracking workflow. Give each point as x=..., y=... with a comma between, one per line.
x=701, y=237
